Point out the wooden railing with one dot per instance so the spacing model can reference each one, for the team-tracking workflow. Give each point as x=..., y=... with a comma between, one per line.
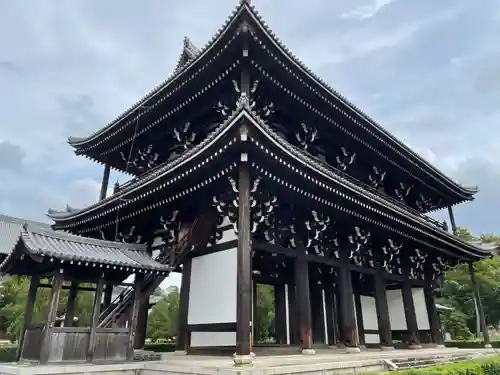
x=72, y=344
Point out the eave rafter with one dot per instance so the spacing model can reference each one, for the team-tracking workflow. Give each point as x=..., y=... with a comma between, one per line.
x=376, y=206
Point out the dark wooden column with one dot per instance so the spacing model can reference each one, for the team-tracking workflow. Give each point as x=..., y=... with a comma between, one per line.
x=479, y=304
x=413, y=339
x=280, y=313
x=301, y=276
x=382, y=308
x=105, y=182
x=293, y=315
x=132, y=322
x=55, y=292
x=338, y=316
x=70, y=307
x=108, y=295
x=96, y=310
x=452, y=220
x=346, y=300
x=432, y=313
x=330, y=314
x=318, y=323
x=28, y=313
x=359, y=318
x=244, y=267
x=183, y=334
x=142, y=317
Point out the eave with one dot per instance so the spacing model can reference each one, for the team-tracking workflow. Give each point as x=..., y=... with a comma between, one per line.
x=377, y=205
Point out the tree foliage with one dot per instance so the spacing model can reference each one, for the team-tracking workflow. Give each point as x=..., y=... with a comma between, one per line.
x=163, y=318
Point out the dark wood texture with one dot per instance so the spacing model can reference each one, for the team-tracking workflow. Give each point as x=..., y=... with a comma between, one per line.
x=280, y=313
x=479, y=304
x=432, y=313
x=183, y=334
x=359, y=318
x=105, y=181
x=95, y=318
x=28, y=313
x=293, y=315
x=330, y=314
x=51, y=316
x=452, y=220
x=410, y=316
x=346, y=303
x=382, y=311
x=303, y=297
x=317, y=313
x=134, y=312
x=70, y=307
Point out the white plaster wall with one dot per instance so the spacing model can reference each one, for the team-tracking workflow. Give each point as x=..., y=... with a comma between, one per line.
x=369, y=313
x=420, y=309
x=372, y=338
x=212, y=293
x=203, y=339
x=396, y=310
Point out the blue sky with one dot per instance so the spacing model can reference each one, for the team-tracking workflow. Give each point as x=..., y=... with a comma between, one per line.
x=427, y=70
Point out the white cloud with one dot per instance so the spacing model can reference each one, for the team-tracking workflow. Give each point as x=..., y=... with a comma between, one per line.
x=366, y=11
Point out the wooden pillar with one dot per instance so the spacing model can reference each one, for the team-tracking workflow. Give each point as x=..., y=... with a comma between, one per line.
x=142, y=318
x=293, y=315
x=301, y=276
x=96, y=310
x=134, y=312
x=280, y=313
x=382, y=308
x=105, y=182
x=55, y=292
x=452, y=220
x=70, y=307
x=108, y=295
x=359, y=319
x=244, y=267
x=432, y=313
x=479, y=304
x=410, y=316
x=318, y=323
x=182, y=334
x=338, y=316
x=28, y=313
x=348, y=327
x=330, y=314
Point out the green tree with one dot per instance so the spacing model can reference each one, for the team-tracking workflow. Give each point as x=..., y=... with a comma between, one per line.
x=162, y=322
x=264, y=312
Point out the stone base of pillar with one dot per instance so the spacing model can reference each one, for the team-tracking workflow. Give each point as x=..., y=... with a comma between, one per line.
x=414, y=347
x=488, y=346
x=242, y=360
x=387, y=348
x=308, y=351
x=362, y=347
x=352, y=349
x=180, y=352
x=441, y=346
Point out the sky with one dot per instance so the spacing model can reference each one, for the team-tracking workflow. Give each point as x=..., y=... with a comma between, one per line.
x=427, y=70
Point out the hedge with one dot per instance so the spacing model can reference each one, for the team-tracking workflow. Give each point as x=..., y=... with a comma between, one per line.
x=483, y=366
x=8, y=353
x=160, y=347
x=472, y=344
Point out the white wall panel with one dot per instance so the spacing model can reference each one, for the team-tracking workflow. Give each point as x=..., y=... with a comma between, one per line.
x=372, y=338
x=203, y=339
x=228, y=235
x=369, y=313
x=212, y=292
x=420, y=309
x=396, y=310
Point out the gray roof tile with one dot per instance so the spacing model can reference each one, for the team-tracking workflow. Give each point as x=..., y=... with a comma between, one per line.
x=40, y=239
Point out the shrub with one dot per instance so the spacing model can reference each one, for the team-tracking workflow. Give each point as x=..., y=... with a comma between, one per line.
x=8, y=353
x=483, y=366
x=471, y=344
x=160, y=347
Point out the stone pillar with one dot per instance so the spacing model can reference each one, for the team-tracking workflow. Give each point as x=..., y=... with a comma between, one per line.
x=479, y=304
x=244, y=268
x=182, y=342
x=383, y=318
x=410, y=316
x=303, y=299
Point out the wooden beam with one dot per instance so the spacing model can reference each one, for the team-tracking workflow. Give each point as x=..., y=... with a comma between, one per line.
x=303, y=298
x=244, y=264
x=346, y=302
x=382, y=311
x=51, y=317
x=280, y=313
x=410, y=315
x=359, y=318
x=452, y=220
x=96, y=310
x=28, y=313
x=134, y=312
x=105, y=181
x=183, y=334
x=433, y=315
x=70, y=307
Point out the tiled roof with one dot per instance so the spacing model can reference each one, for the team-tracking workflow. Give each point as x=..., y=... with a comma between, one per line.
x=10, y=230
x=39, y=239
